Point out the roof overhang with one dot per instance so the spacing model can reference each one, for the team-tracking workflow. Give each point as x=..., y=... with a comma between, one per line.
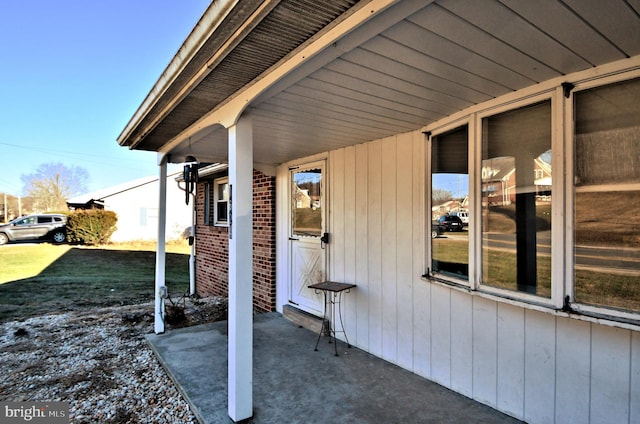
x=317, y=76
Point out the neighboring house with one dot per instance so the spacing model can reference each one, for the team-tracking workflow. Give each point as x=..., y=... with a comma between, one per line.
x=136, y=205
x=499, y=181
x=351, y=97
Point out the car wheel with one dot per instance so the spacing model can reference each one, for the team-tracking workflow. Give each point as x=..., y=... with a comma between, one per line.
x=3, y=238
x=59, y=237
x=434, y=234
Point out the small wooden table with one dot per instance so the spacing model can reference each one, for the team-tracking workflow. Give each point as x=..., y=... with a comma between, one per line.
x=332, y=292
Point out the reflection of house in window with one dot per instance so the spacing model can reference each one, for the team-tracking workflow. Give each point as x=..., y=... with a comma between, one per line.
x=499, y=181
x=302, y=198
x=542, y=169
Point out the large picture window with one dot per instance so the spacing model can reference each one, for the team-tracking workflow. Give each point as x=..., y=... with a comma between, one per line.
x=607, y=196
x=516, y=200
x=450, y=203
x=571, y=241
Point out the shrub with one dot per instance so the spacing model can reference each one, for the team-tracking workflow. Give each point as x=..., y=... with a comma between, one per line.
x=91, y=227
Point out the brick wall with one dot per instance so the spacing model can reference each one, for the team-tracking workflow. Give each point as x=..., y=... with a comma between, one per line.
x=212, y=247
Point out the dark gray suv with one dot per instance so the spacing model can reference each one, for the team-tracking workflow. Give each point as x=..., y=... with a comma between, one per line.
x=35, y=227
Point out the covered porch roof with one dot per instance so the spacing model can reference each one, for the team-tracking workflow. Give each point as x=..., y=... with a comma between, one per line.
x=317, y=76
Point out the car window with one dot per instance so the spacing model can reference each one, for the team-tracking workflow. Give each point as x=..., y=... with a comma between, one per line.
x=44, y=219
x=57, y=219
x=27, y=221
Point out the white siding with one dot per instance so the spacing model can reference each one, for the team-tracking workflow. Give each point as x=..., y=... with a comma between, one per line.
x=137, y=210
x=511, y=359
x=573, y=360
x=536, y=366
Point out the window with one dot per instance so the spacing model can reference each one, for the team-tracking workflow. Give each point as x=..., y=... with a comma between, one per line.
x=44, y=219
x=516, y=200
x=221, y=200
x=606, y=251
x=27, y=221
x=449, y=203
x=571, y=242
x=306, y=199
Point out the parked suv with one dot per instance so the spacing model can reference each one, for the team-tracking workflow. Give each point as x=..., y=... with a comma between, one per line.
x=450, y=223
x=35, y=227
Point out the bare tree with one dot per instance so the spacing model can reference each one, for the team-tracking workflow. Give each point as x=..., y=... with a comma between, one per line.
x=439, y=196
x=53, y=183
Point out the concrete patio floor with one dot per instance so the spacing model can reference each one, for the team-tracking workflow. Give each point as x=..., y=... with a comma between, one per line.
x=294, y=384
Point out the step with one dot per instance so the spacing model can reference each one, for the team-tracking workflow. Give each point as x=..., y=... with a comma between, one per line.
x=302, y=318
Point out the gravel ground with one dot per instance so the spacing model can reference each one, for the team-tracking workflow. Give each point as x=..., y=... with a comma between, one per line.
x=98, y=361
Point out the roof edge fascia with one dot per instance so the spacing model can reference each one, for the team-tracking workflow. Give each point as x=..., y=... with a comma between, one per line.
x=206, y=26
x=228, y=111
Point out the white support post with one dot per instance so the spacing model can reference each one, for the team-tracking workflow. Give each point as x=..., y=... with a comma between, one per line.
x=161, y=289
x=240, y=376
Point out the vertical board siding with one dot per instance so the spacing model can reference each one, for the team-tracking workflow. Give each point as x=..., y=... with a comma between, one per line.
x=336, y=225
x=540, y=365
x=573, y=360
x=532, y=365
x=461, y=343
x=421, y=330
x=388, y=265
x=362, y=247
x=350, y=312
x=374, y=219
x=404, y=251
x=485, y=350
x=511, y=343
x=610, y=378
x=336, y=216
x=441, y=335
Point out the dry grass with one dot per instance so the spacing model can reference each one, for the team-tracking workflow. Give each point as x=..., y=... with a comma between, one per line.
x=81, y=277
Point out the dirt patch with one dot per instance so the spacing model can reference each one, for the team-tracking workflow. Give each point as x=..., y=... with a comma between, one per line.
x=97, y=360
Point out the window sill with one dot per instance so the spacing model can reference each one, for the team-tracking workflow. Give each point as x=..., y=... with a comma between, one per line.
x=597, y=318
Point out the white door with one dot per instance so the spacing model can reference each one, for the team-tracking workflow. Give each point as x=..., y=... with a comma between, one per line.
x=307, y=235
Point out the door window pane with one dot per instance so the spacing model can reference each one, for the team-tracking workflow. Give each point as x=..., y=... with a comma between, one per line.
x=450, y=203
x=607, y=196
x=516, y=200
x=306, y=203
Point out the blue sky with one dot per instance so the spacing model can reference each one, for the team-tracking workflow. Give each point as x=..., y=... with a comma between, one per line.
x=72, y=73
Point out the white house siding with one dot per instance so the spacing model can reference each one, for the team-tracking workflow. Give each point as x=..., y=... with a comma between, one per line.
x=537, y=366
x=137, y=210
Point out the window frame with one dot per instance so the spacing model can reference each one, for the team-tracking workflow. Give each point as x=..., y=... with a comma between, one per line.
x=452, y=126
x=570, y=192
x=216, y=220
x=560, y=92
x=552, y=95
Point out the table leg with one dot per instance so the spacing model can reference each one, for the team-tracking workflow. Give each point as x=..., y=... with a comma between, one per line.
x=325, y=319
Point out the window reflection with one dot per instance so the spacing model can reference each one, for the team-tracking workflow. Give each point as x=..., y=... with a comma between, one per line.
x=306, y=201
x=450, y=204
x=607, y=196
x=516, y=200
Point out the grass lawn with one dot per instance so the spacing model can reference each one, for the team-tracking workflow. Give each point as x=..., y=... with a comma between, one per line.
x=43, y=278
